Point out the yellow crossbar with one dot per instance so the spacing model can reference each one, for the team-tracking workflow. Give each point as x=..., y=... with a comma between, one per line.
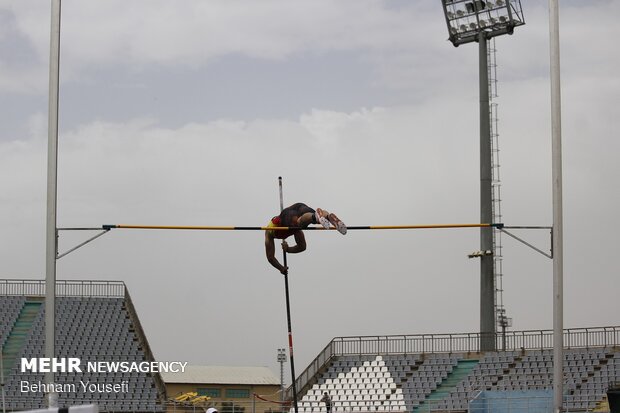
x=236, y=228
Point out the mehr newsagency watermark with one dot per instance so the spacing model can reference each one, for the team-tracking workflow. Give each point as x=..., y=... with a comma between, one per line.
x=75, y=366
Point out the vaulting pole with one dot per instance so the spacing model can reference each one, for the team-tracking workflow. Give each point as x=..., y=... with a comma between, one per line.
x=288, y=311
x=51, y=240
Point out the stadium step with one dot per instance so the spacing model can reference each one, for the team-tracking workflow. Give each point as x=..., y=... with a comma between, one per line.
x=462, y=370
x=18, y=335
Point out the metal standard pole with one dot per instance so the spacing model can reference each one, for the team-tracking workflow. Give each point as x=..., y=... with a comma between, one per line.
x=51, y=232
x=487, y=282
x=556, y=166
x=288, y=314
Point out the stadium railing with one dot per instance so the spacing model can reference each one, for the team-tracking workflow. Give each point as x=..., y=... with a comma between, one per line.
x=64, y=288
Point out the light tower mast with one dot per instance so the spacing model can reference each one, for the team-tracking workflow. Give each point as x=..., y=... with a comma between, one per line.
x=478, y=21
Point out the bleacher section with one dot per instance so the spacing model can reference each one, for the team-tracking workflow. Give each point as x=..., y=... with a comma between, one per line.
x=355, y=383
x=448, y=382
x=11, y=307
x=89, y=328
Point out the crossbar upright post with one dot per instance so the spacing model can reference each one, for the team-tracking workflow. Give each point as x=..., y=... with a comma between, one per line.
x=51, y=238
x=557, y=232
x=288, y=312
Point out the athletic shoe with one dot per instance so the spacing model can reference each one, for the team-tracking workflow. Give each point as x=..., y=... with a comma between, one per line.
x=324, y=221
x=341, y=227
x=321, y=219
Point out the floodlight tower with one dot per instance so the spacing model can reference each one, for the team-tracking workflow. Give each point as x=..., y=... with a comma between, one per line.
x=477, y=21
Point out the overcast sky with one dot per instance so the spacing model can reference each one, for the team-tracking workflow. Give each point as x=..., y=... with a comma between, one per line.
x=186, y=113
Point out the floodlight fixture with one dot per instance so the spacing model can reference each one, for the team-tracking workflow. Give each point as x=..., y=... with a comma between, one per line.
x=466, y=19
x=478, y=254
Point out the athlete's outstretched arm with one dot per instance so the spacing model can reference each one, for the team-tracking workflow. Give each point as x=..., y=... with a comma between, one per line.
x=270, y=252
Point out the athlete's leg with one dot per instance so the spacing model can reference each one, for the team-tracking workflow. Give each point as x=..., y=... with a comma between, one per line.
x=304, y=216
x=298, y=214
x=320, y=217
x=307, y=216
